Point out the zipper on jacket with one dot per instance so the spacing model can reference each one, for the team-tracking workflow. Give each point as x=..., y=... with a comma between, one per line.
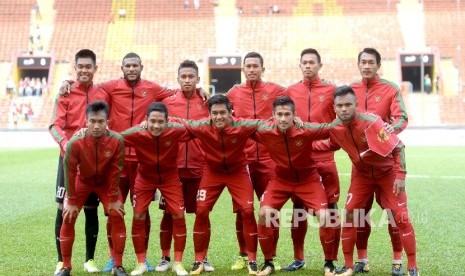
x=158, y=160
x=309, y=102
x=132, y=111
x=366, y=99
x=187, y=117
x=289, y=158
x=224, y=152
x=96, y=163
x=255, y=117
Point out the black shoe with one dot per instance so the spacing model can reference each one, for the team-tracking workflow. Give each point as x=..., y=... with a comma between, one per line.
x=252, y=267
x=328, y=268
x=267, y=269
x=361, y=267
x=64, y=272
x=197, y=268
x=397, y=270
x=119, y=271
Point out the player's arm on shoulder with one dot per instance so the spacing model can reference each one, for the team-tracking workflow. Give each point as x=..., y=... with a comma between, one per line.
x=66, y=87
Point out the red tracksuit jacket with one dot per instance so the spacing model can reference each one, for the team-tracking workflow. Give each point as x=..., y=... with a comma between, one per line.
x=69, y=113
x=290, y=150
x=314, y=103
x=254, y=102
x=129, y=104
x=95, y=161
x=351, y=138
x=382, y=97
x=224, y=148
x=157, y=155
x=190, y=154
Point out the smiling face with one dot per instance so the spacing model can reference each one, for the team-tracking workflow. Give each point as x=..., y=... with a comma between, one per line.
x=284, y=116
x=368, y=66
x=310, y=66
x=156, y=122
x=253, y=69
x=345, y=107
x=97, y=123
x=220, y=115
x=85, y=70
x=132, y=69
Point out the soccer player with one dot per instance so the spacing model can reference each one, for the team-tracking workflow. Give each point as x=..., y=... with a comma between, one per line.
x=93, y=163
x=223, y=139
x=157, y=151
x=68, y=117
x=371, y=172
x=313, y=100
x=254, y=100
x=383, y=98
x=185, y=104
x=295, y=176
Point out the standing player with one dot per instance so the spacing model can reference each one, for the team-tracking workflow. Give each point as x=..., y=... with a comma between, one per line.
x=254, y=100
x=93, y=163
x=295, y=176
x=371, y=172
x=186, y=104
x=68, y=117
x=313, y=100
x=223, y=140
x=383, y=98
x=157, y=151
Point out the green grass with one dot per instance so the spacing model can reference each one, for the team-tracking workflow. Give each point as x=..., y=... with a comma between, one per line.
x=27, y=217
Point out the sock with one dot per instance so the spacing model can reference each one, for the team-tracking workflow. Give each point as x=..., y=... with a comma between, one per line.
x=298, y=233
x=396, y=242
x=148, y=225
x=275, y=239
x=166, y=234
x=58, y=222
x=110, y=243
x=327, y=240
x=240, y=234
x=201, y=232
x=118, y=236
x=91, y=230
x=179, y=236
x=348, y=237
x=265, y=237
x=138, y=239
x=67, y=235
x=363, y=233
x=250, y=233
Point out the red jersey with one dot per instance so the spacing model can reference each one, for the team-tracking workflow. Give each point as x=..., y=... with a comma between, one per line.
x=254, y=102
x=157, y=155
x=95, y=161
x=69, y=113
x=351, y=138
x=314, y=103
x=224, y=148
x=382, y=97
x=191, y=156
x=290, y=150
x=129, y=104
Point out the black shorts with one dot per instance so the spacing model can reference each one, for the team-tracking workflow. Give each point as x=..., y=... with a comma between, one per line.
x=92, y=200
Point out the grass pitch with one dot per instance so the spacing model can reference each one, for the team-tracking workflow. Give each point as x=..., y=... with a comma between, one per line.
x=434, y=184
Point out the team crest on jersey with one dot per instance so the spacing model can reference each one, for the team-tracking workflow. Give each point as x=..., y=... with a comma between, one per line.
x=233, y=140
x=107, y=153
x=321, y=98
x=377, y=98
x=144, y=93
x=168, y=143
x=299, y=143
x=265, y=97
x=363, y=138
x=382, y=135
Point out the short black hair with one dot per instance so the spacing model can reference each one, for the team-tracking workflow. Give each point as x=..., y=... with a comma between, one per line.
x=96, y=107
x=219, y=99
x=157, y=106
x=86, y=53
x=131, y=55
x=189, y=64
x=254, y=55
x=343, y=90
x=310, y=51
x=371, y=51
x=284, y=100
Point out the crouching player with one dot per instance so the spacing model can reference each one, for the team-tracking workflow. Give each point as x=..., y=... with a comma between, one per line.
x=371, y=172
x=93, y=163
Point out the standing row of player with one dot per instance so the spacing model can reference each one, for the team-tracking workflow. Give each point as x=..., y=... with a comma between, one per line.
x=128, y=99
